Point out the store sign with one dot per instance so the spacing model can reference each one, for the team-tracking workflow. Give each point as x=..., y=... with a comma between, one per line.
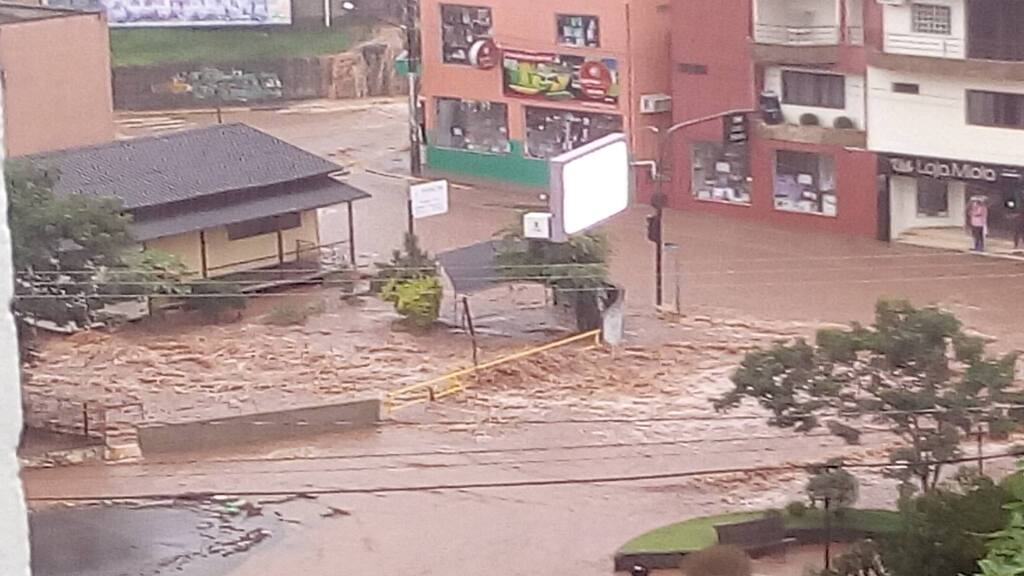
x=735, y=128
x=560, y=77
x=484, y=54
x=955, y=169
x=428, y=199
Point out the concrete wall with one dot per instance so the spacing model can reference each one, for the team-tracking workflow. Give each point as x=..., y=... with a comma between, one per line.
x=906, y=123
x=256, y=428
x=364, y=71
x=221, y=252
x=13, y=517
x=57, y=81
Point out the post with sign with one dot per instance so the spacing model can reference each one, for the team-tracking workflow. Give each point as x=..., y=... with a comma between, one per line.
x=426, y=200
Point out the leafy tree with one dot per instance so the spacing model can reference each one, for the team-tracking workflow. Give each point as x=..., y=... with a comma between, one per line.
x=577, y=269
x=831, y=482
x=942, y=531
x=914, y=371
x=409, y=263
x=1006, y=547
x=59, y=244
x=74, y=254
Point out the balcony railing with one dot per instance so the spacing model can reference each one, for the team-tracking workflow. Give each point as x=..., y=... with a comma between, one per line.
x=796, y=35
x=920, y=45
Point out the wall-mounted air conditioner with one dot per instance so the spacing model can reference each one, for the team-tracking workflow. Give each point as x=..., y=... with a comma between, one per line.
x=655, y=103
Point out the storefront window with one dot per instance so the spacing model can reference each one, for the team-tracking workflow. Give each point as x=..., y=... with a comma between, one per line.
x=472, y=125
x=720, y=173
x=461, y=28
x=578, y=31
x=932, y=198
x=805, y=182
x=551, y=132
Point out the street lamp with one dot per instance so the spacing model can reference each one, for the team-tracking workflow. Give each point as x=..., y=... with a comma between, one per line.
x=659, y=200
x=412, y=52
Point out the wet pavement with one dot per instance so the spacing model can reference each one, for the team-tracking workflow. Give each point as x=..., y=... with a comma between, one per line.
x=187, y=538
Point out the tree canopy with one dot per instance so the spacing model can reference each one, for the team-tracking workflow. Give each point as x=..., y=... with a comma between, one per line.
x=915, y=372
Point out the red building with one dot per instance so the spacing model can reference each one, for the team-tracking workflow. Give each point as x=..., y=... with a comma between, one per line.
x=802, y=65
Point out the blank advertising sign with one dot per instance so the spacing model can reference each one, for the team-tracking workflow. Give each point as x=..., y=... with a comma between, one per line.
x=589, y=185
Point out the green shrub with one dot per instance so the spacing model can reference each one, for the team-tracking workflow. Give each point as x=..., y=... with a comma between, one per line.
x=837, y=485
x=407, y=264
x=418, y=300
x=796, y=509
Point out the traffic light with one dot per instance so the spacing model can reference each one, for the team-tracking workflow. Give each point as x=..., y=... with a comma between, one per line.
x=654, y=228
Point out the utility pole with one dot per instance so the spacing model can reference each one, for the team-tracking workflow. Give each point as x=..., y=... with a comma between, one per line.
x=659, y=200
x=412, y=52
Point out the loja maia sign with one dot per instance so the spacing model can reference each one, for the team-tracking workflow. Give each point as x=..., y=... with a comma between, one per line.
x=951, y=169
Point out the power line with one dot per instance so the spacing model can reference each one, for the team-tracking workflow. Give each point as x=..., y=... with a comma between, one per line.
x=613, y=479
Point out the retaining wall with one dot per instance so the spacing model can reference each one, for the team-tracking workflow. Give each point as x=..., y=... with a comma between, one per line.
x=259, y=427
x=366, y=70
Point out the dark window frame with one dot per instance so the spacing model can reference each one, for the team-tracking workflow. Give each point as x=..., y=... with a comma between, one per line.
x=992, y=109
x=264, y=226
x=449, y=50
x=820, y=94
x=466, y=107
x=906, y=88
x=560, y=38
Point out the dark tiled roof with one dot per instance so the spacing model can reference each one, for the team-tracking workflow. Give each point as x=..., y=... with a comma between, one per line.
x=181, y=166
x=11, y=13
x=310, y=195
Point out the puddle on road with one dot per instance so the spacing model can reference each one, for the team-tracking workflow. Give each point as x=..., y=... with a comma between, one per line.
x=191, y=539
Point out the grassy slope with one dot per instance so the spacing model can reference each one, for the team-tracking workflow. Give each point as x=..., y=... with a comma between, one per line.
x=699, y=533
x=137, y=47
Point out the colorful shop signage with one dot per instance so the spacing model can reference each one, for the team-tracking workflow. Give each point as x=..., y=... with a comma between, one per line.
x=554, y=77
x=484, y=54
x=956, y=169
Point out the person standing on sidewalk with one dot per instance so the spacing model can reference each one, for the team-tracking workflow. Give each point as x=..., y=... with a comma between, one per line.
x=977, y=221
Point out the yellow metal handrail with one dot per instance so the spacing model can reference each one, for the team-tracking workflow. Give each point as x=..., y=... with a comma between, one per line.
x=453, y=382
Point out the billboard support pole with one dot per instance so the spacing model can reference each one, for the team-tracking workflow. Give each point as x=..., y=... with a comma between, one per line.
x=412, y=51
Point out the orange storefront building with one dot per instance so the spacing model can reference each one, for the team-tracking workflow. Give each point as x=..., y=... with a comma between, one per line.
x=509, y=84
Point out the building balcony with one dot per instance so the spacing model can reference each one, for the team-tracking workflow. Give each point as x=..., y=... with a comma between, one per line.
x=783, y=35
x=817, y=135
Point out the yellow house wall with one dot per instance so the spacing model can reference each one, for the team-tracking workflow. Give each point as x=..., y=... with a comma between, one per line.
x=184, y=246
x=222, y=253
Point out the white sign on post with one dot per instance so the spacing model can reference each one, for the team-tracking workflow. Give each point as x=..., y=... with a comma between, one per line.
x=429, y=199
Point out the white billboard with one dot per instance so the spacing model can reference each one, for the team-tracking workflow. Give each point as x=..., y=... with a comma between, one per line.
x=186, y=13
x=589, y=185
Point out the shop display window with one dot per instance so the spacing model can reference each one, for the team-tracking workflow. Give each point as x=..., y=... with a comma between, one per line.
x=472, y=125
x=551, y=132
x=932, y=198
x=805, y=182
x=461, y=27
x=582, y=31
x=720, y=173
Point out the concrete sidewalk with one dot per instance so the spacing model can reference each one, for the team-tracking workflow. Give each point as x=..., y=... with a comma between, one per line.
x=957, y=240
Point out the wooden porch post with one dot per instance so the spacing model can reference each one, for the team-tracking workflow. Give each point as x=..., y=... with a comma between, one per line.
x=280, y=247
x=351, y=236
x=202, y=255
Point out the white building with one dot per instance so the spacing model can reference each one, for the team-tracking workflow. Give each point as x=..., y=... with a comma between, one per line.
x=14, y=548
x=946, y=110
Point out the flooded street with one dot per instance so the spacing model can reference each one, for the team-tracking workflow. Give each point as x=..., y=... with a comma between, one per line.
x=543, y=466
